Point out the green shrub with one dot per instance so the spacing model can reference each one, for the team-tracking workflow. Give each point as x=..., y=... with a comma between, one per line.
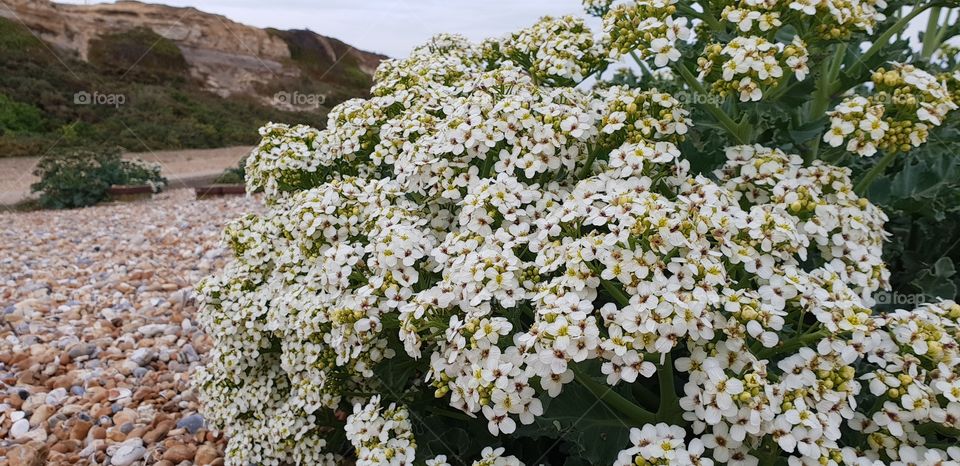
x=81, y=178
x=234, y=175
x=17, y=117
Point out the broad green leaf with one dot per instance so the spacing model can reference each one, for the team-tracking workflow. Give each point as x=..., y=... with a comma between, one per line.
x=595, y=432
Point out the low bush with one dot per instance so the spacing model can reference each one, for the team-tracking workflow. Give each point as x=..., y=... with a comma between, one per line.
x=81, y=178
x=234, y=175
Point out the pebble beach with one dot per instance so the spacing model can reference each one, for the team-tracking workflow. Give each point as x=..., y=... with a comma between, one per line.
x=98, y=333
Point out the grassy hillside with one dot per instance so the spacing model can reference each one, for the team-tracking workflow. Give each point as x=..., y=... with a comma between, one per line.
x=147, y=98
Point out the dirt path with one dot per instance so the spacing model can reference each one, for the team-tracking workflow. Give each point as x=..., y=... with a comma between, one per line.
x=181, y=167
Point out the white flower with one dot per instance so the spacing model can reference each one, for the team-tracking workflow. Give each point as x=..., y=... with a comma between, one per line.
x=664, y=51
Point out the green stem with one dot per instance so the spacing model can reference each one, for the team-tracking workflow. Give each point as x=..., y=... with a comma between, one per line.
x=785, y=84
x=826, y=87
x=731, y=126
x=942, y=32
x=708, y=13
x=814, y=152
x=827, y=83
x=642, y=64
x=615, y=292
x=606, y=394
x=930, y=35
x=881, y=41
x=670, y=410
x=864, y=184
x=488, y=164
x=588, y=165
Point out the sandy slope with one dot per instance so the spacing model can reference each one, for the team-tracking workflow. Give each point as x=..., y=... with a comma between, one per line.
x=179, y=166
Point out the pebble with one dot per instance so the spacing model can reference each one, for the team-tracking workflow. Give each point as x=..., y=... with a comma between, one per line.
x=41, y=414
x=206, y=455
x=119, y=394
x=100, y=331
x=80, y=429
x=152, y=330
x=56, y=396
x=158, y=432
x=81, y=349
x=178, y=453
x=31, y=454
x=190, y=353
x=128, y=452
x=143, y=356
x=19, y=429
x=192, y=423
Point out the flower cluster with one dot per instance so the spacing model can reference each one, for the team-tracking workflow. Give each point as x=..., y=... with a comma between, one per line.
x=662, y=444
x=381, y=436
x=647, y=27
x=285, y=160
x=488, y=457
x=636, y=116
x=555, y=50
x=833, y=20
x=846, y=231
x=839, y=19
x=138, y=172
x=747, y=19
x=906, y=103
x=746, y=66
x=504, y=239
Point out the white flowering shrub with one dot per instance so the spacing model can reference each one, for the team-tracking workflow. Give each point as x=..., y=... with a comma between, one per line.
x=487, y=263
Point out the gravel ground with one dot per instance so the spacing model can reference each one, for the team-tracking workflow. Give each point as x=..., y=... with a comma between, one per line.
x=98, y=334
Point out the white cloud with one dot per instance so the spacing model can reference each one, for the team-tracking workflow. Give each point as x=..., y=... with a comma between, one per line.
x=392, y=27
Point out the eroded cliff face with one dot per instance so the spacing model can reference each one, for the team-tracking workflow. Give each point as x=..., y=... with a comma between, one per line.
x=226, y=56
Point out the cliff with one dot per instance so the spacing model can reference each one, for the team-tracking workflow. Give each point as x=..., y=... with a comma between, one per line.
x=225, y=56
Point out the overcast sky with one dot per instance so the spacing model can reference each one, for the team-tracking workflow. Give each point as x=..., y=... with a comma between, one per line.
x=392, y=27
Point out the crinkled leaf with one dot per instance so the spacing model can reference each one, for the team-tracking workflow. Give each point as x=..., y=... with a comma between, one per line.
x=936, y=282
x=594, y=431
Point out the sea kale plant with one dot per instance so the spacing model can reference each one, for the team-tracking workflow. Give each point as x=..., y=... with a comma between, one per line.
x=492, y=261
x=83, y=177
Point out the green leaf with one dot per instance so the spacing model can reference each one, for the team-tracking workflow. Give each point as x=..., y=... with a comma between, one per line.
x=395, y=374
x=808, y=131
x=594, y=431
x=936, y=282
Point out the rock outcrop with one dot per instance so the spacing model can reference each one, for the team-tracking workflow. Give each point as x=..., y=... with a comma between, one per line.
x=226, y=56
